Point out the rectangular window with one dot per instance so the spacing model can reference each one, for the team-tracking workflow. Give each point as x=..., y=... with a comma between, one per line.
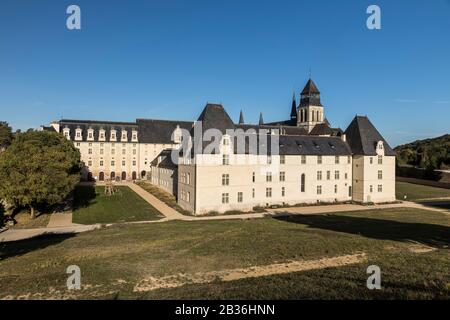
x=225, y=198
x=101, y=151
x=90, y=163
x=380, y=174
x=349, y=159
x=90, y=151
x=380, y=159
x=319, y=159
x=188, y=178
x=253, y=177
x=123, y=163
x=328, y=175
x=134, y=151
x=319, y=189
x=346, y=176
x=78, y=144
x=282, y=159
x=380, y=188
x=188, y=196
x=335, y=188
x=303, y=160
x=283, y=191
x=113, y=163
x=268, y=192
x=282, y=176
x=225, y=159
x=269, y=159
x=319, y=175
x=253, y=193
x=336, y=175
x=124, y=151
x=225, y=179
x=269, y=177
x=302, y=186
x=113, y=151
x=371, y=188
x=134, y=162
x=240, y=196
x=371, y=160
x=336, y=160
x=101, y=163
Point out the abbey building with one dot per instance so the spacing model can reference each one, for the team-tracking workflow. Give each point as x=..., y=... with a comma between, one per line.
x=313, y=162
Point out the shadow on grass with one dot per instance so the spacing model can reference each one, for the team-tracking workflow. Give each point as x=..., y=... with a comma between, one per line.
x=21, y=247
x=428, y=234
x=84, y=196
x=444, y=204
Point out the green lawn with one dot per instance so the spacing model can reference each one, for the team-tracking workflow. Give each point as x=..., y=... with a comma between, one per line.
x=92, y=205
x=115, y=259
x=416, y=191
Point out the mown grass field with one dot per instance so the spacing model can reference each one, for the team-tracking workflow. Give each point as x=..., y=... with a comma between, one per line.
x=92, y=205
x=415, y=192
x=113, y=260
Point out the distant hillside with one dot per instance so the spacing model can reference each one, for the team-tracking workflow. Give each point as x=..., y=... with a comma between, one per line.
x=428, y=153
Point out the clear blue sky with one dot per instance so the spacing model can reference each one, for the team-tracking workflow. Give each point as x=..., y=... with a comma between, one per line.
x=165, y=59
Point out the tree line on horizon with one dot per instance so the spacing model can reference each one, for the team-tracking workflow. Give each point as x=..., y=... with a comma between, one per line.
x=430, y=154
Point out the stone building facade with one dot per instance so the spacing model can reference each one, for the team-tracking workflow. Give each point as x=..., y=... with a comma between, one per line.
x=313, y=162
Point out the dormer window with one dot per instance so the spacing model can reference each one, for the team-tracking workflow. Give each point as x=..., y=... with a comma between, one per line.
x=78, y=132
x=101, y=135
x=90, y=134
x=380, y=148
x=124, y=136
x=113, y=135
x=66, y=132
x=134, y=137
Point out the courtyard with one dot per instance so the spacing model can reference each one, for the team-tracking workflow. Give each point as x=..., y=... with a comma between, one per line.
x=92, y=205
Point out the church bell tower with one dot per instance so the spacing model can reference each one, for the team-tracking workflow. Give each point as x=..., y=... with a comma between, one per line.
x=310, y=110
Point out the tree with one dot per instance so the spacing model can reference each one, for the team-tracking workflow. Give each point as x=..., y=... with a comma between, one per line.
x=39, y=168
x=6, y=135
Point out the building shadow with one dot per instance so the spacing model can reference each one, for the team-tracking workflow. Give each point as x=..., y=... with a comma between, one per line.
x=428, y=234
x=444, y=204
x=21, y=247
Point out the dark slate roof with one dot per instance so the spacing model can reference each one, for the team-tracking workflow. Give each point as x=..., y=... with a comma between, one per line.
x=324, y=129
x=97, y=125
x=241, y=118
x=310, y=87
x=159, y=131
x=294, y=145
x=166, y=160
x=282, y=129
x=294, y=108
x=310, y=145
x=363, y=137
x=48, y=128
x=215, y=116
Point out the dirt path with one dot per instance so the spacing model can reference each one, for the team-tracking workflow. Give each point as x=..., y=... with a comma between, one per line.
x=173, y=281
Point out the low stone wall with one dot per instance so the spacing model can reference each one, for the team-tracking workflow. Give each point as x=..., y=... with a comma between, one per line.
x=430, y=183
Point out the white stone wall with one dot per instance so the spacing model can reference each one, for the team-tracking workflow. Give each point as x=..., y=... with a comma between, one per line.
x=366, y=180
x=209, y=188
x=135, y=156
